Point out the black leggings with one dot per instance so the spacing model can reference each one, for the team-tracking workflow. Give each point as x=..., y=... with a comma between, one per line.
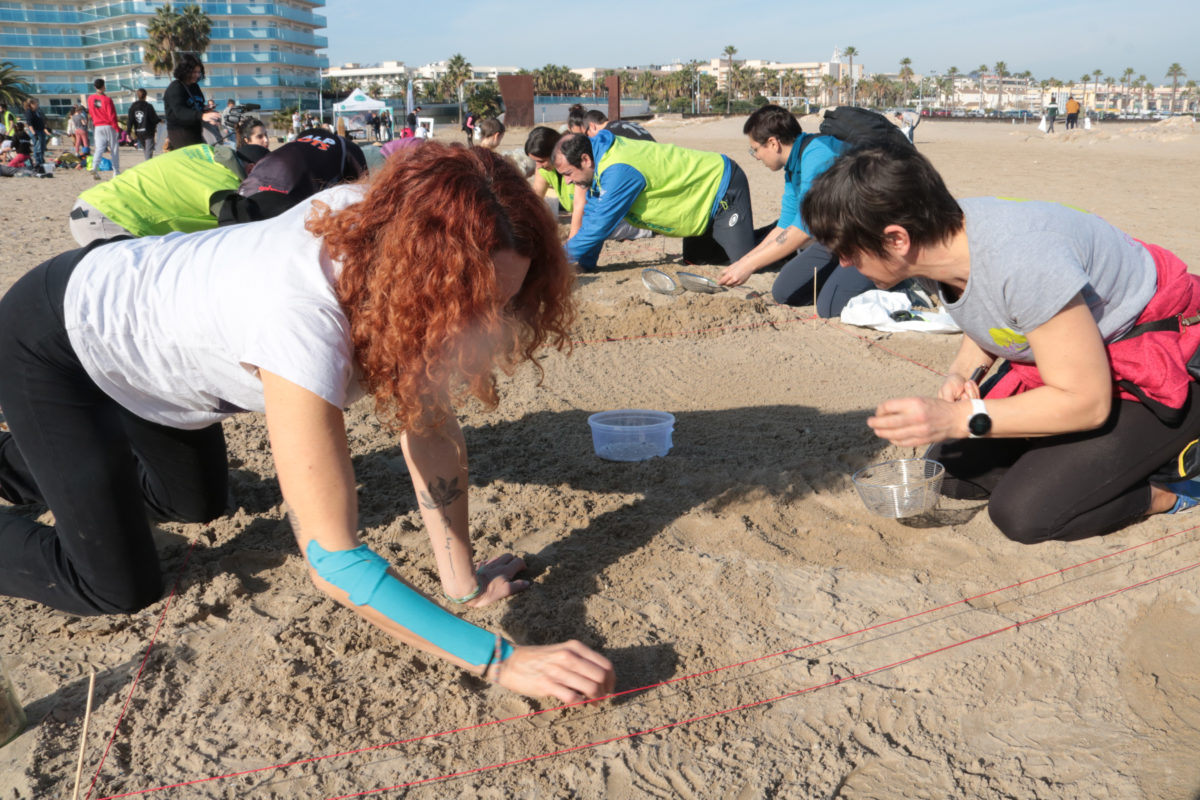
x=730, y=232
x=97, y=466
x=1071, y=486
x=837, y=284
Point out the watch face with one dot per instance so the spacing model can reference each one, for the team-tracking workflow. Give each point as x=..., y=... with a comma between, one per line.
x=979, y=425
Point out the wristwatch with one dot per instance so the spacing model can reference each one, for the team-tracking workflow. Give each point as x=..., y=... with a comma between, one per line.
x=980, y=424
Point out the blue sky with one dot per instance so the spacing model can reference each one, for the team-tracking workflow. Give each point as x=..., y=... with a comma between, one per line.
x=1051, y=38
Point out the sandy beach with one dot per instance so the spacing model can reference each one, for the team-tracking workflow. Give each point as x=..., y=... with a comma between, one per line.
x=772, y=638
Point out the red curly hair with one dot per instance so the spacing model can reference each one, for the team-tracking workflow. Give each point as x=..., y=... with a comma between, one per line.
x=419, y=287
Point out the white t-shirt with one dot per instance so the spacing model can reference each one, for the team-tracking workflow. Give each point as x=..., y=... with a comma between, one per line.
x=175, y=328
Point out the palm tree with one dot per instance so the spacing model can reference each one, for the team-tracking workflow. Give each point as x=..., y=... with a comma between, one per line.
x=729, y=51
x=828, y=85
x=14, y=89
x=952, y=74
x=1001, y=73
x=1175, y=72
x=458, y=72
x=982, y=74
x=1126, y=83
x=850, y=53
x=172, y=32
x=906, y=74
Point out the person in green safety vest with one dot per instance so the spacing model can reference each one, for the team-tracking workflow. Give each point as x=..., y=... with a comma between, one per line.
x=699, y=196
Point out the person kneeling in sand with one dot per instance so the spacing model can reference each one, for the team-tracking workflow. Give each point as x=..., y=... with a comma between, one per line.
x=119, y=362
x=591, y=121
x=201, y=186
x=778, y=143
x=700, y=196
x=1095, y=396
x=569, y=198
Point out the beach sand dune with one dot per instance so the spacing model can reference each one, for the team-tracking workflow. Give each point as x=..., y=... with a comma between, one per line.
x=771, y=636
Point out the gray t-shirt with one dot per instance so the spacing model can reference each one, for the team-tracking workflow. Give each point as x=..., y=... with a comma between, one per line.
x=1029, y=259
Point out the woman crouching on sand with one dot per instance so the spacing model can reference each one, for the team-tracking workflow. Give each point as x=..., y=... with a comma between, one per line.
x=1086, y=428
x=118, y=362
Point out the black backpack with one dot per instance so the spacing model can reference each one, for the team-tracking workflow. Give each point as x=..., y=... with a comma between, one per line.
x=860, y=127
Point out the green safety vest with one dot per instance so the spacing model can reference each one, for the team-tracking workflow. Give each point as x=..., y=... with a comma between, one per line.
x=681, y=184
x=564, y=190
x=167, y=193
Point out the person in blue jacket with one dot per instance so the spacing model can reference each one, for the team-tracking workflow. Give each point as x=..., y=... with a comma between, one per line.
x=700, y=196
x=778, y=142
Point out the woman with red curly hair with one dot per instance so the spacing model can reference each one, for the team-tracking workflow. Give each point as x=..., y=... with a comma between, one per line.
x=119, y=361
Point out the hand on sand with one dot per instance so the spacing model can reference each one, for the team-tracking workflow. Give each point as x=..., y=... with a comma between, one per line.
x=570, y=671
x=496, y=579
x=734, y=275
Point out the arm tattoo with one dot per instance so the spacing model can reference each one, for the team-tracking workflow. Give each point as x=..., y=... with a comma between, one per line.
x=440, y=495
x=781, y=238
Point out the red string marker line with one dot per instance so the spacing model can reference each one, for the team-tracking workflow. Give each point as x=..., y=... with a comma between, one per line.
x=141, y=667
x=777, y=698
x=670, y=681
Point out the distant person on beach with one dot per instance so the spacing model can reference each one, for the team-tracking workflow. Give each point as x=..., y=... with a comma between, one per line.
x=699, y=196
x=118, y=364
x=908, y=121
x=491, y=132
x=184, y=106
x=1051, y=114
x=1087, y=425
x=104, y=129
x=778, y=143
x=79, y=123
x=1072, y=110
x=142, y=123
x=35, y=123
x=570, y=198
x=591, y=121
x=411, y=119
x=468, y=126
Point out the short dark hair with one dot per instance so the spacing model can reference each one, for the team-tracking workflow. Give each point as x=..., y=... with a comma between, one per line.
x=576, y=117
x=573, y=147
x=867, y=189
x=98, y=84
x=188, y=62
x=596, y=116
x=772, y=120
x=490, y=126
x=540, y=142
x=141, y=94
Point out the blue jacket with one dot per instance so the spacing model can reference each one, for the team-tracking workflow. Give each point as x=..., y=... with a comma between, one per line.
x=605, y=210
x=799, y=173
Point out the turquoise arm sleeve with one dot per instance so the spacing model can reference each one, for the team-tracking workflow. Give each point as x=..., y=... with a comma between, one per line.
x=363, y=575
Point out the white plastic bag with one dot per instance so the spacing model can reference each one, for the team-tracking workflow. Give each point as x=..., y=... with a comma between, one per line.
x=1087, y=123
x=1042, y=125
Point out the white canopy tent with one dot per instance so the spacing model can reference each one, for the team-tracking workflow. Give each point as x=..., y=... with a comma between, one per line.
x=357, y=108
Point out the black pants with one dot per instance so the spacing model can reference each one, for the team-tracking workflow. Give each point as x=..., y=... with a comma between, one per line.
x=836, y=284
x=730, y=232
x=97, y=466
x=1071, y=486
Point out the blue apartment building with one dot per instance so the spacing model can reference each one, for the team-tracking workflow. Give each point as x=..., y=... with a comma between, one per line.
x=264, y=53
